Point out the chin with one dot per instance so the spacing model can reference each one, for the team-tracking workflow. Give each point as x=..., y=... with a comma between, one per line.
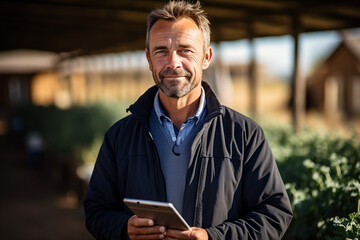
x=175, y=92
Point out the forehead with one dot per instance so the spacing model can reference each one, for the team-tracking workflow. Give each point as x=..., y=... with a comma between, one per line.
x=182, y=31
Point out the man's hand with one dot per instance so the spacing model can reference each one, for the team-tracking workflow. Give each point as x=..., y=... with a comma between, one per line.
x=143, y=228
x=194, y=234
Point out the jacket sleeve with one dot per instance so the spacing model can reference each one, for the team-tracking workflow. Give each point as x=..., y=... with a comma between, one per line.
x=105, y=216
x=264, y=199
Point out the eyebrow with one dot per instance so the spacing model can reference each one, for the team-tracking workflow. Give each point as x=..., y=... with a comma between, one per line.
x=185, y=46
x=165, y=47
x=158, y=48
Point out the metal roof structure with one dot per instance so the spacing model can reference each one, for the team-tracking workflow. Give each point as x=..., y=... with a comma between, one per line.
x=119, y=25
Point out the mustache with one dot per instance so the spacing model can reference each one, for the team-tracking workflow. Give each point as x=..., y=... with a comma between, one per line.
x=174, y=72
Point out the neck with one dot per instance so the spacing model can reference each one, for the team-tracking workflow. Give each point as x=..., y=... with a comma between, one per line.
x=180, y=109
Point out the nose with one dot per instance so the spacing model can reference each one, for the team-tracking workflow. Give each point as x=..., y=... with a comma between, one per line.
x=174, y=60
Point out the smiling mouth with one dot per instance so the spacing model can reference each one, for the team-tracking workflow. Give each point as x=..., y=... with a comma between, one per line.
x=175, y=74
x=169, y=77
x=175, y=79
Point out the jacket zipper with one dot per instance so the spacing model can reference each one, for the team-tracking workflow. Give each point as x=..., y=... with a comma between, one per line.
x=197, y=201
x=201, y=174
x=200, y=183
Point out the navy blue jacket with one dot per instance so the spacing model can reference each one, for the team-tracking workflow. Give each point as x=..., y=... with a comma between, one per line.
x=233, y=187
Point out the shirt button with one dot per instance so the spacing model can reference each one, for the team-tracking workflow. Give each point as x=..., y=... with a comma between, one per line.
x=174, y=139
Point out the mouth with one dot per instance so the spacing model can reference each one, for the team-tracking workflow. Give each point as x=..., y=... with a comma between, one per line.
x=174, y=80
x=175, y=74
x=173, y=77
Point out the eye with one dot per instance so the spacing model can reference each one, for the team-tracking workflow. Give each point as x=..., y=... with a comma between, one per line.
x=186, y=50
x=160, y=52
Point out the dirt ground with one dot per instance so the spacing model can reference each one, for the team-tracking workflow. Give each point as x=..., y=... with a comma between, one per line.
x=30, y=207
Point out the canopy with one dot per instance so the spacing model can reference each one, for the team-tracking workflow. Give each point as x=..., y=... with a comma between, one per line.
x=113, y=25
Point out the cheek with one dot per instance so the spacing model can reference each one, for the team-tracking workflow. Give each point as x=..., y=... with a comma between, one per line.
x=194, y=63
x=158, y=64
x=199, y=65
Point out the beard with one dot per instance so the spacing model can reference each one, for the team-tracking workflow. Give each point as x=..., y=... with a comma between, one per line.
x=175, y=88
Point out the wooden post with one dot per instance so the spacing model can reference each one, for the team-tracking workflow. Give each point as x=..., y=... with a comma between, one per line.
x=253, y=81
x=298, y=83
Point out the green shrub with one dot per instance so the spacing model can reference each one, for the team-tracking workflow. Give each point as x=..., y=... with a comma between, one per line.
x=72, y=131
x=322, y=176
x=345, y=228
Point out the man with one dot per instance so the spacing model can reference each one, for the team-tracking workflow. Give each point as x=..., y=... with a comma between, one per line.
x=181, y=145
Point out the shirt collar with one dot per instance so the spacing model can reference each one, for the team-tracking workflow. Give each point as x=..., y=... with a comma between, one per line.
x=160, y=113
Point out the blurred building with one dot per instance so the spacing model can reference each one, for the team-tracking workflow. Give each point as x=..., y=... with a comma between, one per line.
x=90, y=79
x=50, y=79
x=334, y=88
x=17, y=69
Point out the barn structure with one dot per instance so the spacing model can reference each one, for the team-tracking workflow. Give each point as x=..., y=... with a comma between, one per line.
x=334, y=88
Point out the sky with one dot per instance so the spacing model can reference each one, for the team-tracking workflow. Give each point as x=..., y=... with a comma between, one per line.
x=276, y=53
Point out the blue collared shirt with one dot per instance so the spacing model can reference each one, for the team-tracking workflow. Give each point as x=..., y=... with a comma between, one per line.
x=178, y=136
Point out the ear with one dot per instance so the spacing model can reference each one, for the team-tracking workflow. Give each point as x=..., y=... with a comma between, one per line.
x=148, y=59
x=207, y=58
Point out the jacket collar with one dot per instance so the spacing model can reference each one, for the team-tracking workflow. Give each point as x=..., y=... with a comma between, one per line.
x=142, y=108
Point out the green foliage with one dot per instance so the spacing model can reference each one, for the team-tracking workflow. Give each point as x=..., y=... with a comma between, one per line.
x=76, y=131
x=342, y=228
x=89, y=154
x=322, y=176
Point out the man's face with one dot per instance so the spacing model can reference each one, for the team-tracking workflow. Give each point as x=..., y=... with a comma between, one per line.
x=176, y=56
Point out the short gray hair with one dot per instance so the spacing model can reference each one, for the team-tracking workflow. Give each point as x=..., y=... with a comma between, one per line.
x=175, y=10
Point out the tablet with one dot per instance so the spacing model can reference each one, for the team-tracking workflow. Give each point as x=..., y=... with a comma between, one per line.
x=162, y=213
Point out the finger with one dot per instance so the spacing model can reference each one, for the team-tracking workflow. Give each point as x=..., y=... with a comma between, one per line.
x=171, y=238
x=147, y=237
x=175, y=234
x=153, y=230
x=140, y=222
x=194, y=233
x=150, y=232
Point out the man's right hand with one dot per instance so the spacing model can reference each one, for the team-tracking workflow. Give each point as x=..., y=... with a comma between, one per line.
x=143, y=228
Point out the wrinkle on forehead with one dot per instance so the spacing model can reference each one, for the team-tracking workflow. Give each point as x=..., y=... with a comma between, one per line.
x=180, y=32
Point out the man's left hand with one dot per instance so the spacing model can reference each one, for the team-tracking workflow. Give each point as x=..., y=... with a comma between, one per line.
x=194, y=234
